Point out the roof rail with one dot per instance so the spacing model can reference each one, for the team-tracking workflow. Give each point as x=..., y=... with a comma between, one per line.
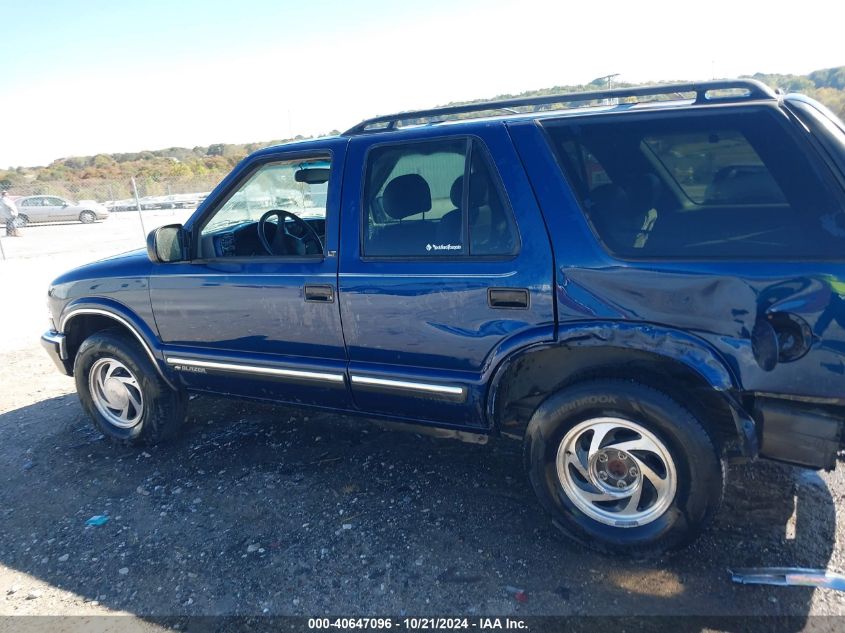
x=754, y=90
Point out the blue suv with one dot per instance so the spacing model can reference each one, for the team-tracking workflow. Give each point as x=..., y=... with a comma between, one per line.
x=641, y=285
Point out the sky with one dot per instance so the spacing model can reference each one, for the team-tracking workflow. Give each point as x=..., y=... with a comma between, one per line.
x=87, y=77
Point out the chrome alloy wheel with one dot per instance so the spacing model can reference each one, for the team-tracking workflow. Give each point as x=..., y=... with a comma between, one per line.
x=116, y=393
x=616, y=472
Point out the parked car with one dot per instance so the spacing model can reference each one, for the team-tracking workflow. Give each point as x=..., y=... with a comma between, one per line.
x=55, y=209
x=127, y=204
x=174, y=201
x=179, y=201
x=562, y=278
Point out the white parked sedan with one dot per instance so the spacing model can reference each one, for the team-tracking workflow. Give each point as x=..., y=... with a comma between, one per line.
x=55, y=209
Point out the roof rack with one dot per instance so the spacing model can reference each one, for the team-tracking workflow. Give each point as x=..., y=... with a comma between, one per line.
x=753, y=90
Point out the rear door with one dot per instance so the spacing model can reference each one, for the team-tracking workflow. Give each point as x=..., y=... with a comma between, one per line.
x=34, y=209
x=445, y=264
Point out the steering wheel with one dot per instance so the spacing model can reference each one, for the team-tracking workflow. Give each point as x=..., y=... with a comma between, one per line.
x=285, y=243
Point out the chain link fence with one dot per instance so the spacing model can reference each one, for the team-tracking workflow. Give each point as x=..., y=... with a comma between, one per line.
x=81, y=220
x=117, y=195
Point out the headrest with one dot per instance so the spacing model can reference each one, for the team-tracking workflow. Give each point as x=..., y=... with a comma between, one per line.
x=406, y=195
x=477, y=191
x=644, y=192
x=608, y=197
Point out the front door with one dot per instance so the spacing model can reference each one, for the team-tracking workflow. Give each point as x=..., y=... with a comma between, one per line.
x=255, y=310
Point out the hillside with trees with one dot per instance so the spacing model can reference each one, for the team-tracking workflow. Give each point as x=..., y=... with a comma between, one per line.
x=184, y=170
x=827, y=86
x=107, y=176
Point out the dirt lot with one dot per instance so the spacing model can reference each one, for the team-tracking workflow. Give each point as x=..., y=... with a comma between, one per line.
x=261, y=510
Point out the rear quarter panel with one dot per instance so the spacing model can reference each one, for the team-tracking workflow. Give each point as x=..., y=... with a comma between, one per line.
x=718, y=301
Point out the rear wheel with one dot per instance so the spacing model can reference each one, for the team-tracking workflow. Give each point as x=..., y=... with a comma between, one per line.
x=623, y=468
x=87, y=217
x=22, y=220
x=123, y=393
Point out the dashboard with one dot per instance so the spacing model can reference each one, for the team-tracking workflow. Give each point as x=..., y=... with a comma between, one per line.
x=242, y=240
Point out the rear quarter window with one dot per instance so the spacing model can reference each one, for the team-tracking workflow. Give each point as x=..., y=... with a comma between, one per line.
x=707, y=185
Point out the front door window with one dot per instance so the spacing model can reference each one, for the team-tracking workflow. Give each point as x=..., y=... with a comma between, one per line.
x=279, y=210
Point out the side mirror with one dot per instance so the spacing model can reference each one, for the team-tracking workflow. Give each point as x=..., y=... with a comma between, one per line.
x=167, y=244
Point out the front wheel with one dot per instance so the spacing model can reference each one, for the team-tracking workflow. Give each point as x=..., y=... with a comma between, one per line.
x=87, y=217
x=623, y=468
x=122, y=392
x=22, y=220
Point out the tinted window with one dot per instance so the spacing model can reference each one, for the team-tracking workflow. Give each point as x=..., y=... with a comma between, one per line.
x=725, y=185
x=715, y=167
x=492, y=230
x=418, y=203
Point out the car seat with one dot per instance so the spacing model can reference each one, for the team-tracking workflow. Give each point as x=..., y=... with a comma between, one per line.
x=403, y=197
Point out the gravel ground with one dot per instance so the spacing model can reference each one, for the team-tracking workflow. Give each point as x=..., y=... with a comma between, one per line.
x=261, y=510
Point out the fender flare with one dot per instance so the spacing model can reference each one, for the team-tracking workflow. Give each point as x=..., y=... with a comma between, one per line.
x=687, y=349
x=123, y=316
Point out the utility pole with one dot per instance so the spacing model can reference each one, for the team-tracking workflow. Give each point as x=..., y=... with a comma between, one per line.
x=2, y=252
x=138, y=205
x=609, y=81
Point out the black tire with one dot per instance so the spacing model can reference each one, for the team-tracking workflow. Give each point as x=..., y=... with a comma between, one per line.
x=22, y=220
x=697, y=463
x=87, y=217
x=163, y=408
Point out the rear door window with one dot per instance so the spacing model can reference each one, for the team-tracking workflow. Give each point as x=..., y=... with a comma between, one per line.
x=439, y=198
x=723, y=185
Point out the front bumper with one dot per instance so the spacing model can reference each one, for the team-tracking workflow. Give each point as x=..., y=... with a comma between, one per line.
x=54, y=343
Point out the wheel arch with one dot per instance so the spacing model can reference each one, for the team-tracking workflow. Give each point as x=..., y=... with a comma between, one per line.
x=79, y=321
x=678, y=364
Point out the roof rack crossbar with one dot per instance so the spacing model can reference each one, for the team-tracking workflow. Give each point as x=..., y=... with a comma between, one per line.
x=754, y=88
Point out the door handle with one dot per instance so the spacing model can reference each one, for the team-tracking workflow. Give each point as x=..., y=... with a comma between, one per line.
x=322, y=294
x=515, y=298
